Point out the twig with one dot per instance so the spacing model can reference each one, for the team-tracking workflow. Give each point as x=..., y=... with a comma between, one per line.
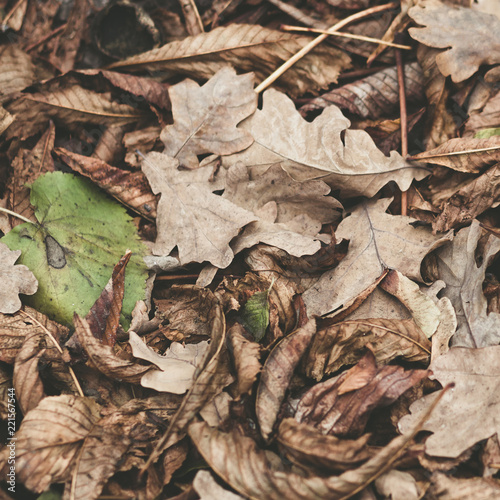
x=403, y=115
x=194, y=24
x=297, y=14
x=10, y=212
x=48, y=36
x=454, y=153
x=58, y=347
x=313, y=43
x=285, y=27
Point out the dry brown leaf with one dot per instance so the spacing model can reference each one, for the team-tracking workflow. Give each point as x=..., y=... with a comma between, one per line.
x=325, y=149
x=247, y=48
x=277, y=373
x=130, y=188
x=457, y=267
x=67, y=105
x=177, y=365
x=306, y=446
x=18, y=72
x=470, y=200
x=205, y=118
x=49, y=439
x=455, y=428
x=489, y=117
x=208, y=489
x=342, y=405
x=6, y=120
x=378, y=241
x=345, y=343
x=218, y=410
x=461, y=155
x=374, y=96
x=398, y=485
x=104, y=358
x=445, y=27
x=200, y=223
x=15, y=279
x=444, y=487
x=246, y=358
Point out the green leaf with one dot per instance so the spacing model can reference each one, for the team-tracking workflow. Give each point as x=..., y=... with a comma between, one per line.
x=81, y=235
x=487, y=133
x=255, y=314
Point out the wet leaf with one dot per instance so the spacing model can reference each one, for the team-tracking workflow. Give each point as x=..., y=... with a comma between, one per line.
x=16, y=279
x=80, y=236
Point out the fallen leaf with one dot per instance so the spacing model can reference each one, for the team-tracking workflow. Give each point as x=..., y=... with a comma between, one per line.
x=398, y=485
x=208, y=489
x=464, y=155
x=277, y=373
x=378, y=241
x=457, y=267
x=455, y=427
x=306, y=446
x=374, y=96
x=200, y=223
x=206, y=118
x=487, y=119
x=6, y=120
x=18, y=71
x=80, y=236
x=49, y=439
x=445, y=27
x=177, y=365
x=342, y=405
x=444, y=487
x=325, y=149
x=245, y=47
x=16, y=279
x=255, y=314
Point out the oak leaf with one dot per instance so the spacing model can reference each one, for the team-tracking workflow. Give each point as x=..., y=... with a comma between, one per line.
x=16, y=279
x=325, y=149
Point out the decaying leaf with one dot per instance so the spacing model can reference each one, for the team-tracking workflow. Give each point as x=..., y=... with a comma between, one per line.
x=200, y=223
x=205, y=118
x=444, y=487
x=177, y=365
x=276, y=375
x=378, y=241
x=18, y=72
x=16, y=279
x=457, y=267
x=74, y=247
x=445, y=27
x=247, y=48
x=352, y=164
x=342, y=405
x=475, y=373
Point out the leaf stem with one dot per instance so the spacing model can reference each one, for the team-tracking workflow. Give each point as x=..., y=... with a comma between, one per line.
x=10, y=212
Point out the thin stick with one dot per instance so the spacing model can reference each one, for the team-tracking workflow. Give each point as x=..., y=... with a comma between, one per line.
x=403, y=115
x=10, y=212
x=48, y=36
x=313, y=43
x=454, y=153
x=285, y=27
x=58, y=347
x=297, y=14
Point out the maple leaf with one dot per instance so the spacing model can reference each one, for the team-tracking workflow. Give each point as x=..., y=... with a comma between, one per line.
x=445, y=27
x=325, y=149
x=15, y=279
x=475, y=373
x=200, y=223
x=205, y=118
x=378, y=241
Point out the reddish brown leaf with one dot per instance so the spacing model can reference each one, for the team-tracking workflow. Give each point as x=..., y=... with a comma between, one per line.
x=342, y=405
x=277, y=373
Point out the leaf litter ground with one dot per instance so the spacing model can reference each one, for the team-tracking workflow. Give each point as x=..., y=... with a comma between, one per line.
x=297, y=365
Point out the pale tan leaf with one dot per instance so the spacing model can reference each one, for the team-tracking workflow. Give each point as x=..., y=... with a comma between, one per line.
x=200, y=223
x=16, y=279
x=475, y=398
x=277, y=373
x=397, y=485
x=457, y=267
x=6, y=120
x=247, y=48
x=445, y=27
x=208, y=489
x=50, y=437
x=177, y=365
x=67, y=105
x=246, y=357
x=378, y=241
x=444, y=487
x=464, y=155
x=104, y=358
x=325, y=149
x=306, y=446
x=18, y=72
x=205, y=118
x=216, y=411
x=345, y=343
